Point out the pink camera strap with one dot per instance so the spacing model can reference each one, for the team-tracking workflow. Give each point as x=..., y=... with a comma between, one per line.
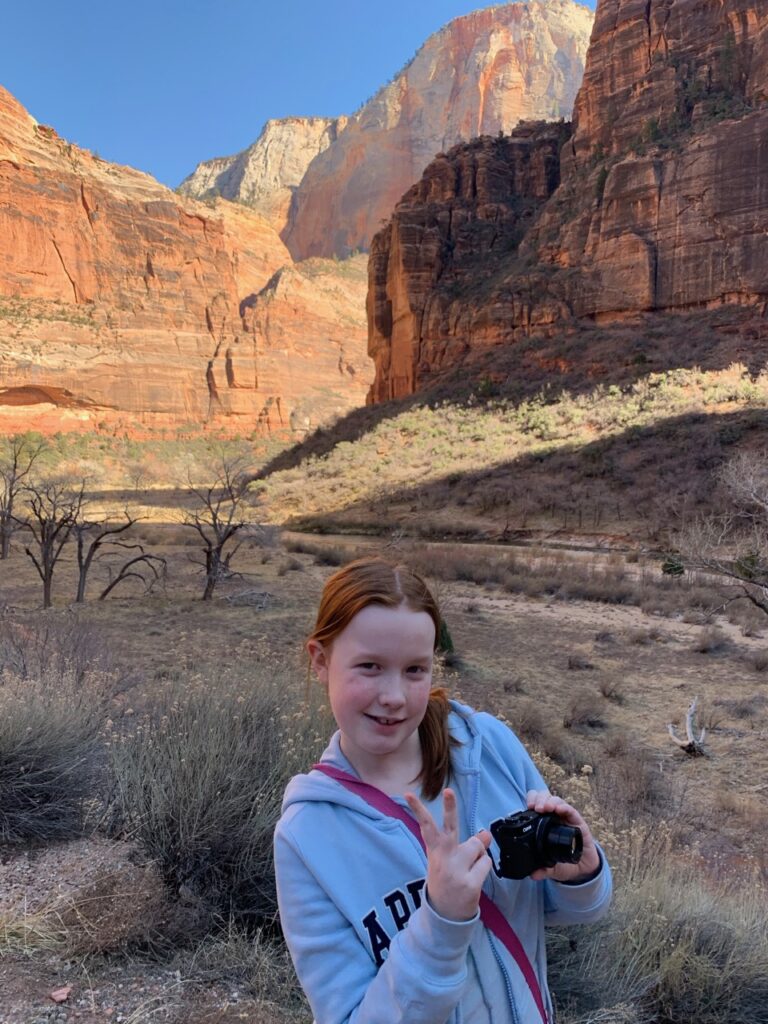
x=490, y=915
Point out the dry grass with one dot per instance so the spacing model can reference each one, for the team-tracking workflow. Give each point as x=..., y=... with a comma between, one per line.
x=28, y=933
x=256, y=964
x=676, y=946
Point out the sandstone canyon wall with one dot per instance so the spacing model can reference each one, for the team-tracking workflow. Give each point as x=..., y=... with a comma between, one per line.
x=481, y=74
x=662, y=202
x=124, y=305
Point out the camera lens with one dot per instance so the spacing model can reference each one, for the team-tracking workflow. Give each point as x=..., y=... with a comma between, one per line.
x=564, y=844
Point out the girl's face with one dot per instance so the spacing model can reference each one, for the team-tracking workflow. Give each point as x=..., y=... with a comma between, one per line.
x=378, y=672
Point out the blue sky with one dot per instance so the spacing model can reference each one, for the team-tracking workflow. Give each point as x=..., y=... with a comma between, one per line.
x=163, y=84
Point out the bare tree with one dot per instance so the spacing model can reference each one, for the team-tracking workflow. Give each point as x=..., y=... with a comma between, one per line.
x=733, y=544
x=90, y=536
x=54, y=509
x=18, y=454
x=223, y=512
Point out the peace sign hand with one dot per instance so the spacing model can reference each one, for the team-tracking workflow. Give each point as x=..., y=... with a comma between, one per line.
x=455, y=871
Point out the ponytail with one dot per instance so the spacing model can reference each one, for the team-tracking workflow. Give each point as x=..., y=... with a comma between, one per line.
x=435, y=744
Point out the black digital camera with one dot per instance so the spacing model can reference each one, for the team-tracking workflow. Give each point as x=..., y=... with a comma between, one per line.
x=529, y=840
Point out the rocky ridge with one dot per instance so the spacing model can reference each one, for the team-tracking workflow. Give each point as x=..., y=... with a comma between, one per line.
x=481, y=74
x=126, y=306
x=662, y=203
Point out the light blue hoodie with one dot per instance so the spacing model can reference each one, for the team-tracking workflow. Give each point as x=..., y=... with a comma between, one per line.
x=368, y=949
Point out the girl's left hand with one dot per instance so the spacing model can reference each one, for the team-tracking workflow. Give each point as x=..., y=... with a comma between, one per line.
x=546, y=803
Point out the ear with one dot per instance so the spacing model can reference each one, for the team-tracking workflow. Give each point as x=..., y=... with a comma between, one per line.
x=319, y=658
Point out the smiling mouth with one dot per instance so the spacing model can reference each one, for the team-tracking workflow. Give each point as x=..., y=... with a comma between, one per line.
x=385, y=721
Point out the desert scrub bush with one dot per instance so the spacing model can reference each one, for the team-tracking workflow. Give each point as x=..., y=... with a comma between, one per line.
x=677, y=944
x=612, y=690
x=323, y=554
x=578, y=663
x=290, y=565
x=51, y=757
x=583, y=711
x=528, y=720
x=628, y=783
x=645, y=636
x=711, y=640
x=200, y=781
x=743, y=708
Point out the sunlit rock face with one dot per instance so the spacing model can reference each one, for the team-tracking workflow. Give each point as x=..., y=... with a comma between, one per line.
x=662, y=202
x=671, y=127
x=127, y=306
x=265, y=175
x=481, y=74
x=309, y=327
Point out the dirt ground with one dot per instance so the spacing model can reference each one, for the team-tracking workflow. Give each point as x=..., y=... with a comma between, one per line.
x=633, y=672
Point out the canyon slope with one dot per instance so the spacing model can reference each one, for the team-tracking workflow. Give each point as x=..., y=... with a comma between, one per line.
x=481, y=74
x=659, y=203
x=125, y=306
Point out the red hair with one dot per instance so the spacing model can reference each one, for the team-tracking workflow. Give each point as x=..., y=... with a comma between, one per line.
x=378, y=581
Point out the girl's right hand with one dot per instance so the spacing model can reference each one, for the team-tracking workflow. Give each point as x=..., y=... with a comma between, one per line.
x=455, y=871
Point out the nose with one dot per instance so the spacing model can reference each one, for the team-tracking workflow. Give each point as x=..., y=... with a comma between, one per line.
x=392, y=690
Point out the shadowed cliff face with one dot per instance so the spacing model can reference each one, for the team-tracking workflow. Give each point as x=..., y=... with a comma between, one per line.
x=457, y=225
x=124, y=305
x=662, y=203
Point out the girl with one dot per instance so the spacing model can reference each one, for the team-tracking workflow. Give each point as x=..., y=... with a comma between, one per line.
x=381, y=853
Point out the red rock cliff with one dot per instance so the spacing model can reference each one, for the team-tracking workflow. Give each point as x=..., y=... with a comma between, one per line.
x=662, y=205
x=123, y=304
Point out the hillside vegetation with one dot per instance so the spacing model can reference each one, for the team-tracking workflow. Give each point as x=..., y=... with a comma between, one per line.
x=598, y=430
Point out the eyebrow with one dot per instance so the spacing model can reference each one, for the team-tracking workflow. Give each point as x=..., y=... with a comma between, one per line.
x=372, y=655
